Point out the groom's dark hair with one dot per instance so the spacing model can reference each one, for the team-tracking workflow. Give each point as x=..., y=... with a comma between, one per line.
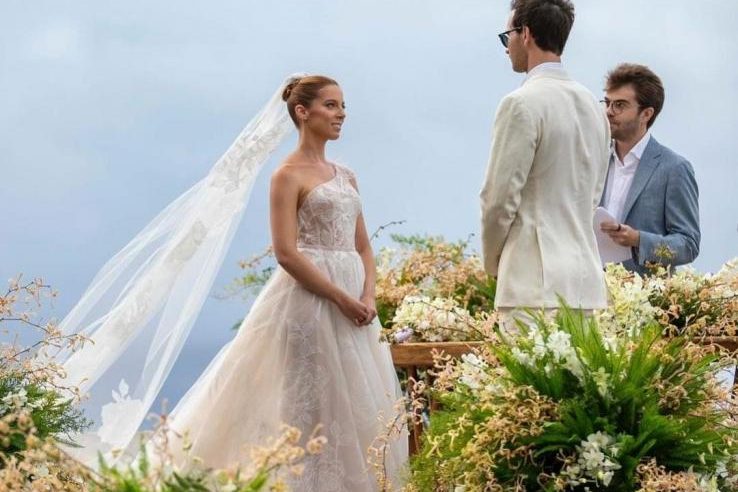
x=549, y=21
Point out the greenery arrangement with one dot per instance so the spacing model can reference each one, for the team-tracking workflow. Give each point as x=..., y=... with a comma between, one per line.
x=561, y=406
x=627, y=400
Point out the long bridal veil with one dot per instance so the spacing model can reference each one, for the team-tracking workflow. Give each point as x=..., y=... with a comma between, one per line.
x=140, y=307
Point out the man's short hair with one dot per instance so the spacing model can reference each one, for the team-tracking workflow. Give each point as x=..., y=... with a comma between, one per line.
x=549, y=21
x=647, y=85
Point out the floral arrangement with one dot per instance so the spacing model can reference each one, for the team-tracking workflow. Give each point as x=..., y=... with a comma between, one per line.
x=429, y=289
x=432, y=320
x=682, y=302
x=567, y=404
x=37, y=415
x=34, y=412
x=433, y=291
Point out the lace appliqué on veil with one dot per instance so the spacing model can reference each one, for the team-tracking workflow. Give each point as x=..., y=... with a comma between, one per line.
x=116, y=417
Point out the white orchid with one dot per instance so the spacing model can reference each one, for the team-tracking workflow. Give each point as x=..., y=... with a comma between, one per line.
x=19, y=400
x=595, y=461
x=473, y=371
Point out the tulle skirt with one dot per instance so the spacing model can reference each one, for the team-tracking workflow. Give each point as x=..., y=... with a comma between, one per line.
x=297, y=360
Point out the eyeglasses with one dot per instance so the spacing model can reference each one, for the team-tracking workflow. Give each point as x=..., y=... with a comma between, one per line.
x=505, y=36
x=617, y=106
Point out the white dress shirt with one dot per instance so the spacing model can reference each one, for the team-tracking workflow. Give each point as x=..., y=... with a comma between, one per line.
x=544, y=66
x=620, y=176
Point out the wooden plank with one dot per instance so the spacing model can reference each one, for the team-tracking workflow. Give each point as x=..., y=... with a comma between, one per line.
x=729, y=343
x=419, y=354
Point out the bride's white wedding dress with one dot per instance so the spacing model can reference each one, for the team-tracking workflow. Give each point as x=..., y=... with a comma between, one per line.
x=298, y=360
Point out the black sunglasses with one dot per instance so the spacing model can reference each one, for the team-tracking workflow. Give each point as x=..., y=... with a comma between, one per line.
x=505, y=36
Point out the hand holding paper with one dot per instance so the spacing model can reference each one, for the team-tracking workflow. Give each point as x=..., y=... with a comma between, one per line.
x=610, y=252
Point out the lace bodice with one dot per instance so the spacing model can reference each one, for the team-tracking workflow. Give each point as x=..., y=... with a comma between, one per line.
x=327, y=217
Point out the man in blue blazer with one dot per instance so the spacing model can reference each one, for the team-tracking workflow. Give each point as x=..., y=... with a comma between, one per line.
x=650, y=189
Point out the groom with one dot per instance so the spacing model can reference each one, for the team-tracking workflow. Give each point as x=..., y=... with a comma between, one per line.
x=546, y=173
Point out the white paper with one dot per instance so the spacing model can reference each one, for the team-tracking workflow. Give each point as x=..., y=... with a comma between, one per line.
x=610, y=251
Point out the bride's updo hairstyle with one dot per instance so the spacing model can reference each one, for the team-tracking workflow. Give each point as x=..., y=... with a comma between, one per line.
x=304, y=91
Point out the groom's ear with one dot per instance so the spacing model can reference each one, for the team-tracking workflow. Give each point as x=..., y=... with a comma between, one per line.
x=527, y=36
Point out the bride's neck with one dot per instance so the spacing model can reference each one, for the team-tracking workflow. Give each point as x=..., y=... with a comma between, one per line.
x=311, y=148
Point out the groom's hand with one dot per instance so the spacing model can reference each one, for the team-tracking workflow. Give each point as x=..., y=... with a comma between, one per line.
x=622, y=234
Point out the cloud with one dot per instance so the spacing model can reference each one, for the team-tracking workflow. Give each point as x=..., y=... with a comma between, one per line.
x=59, y=41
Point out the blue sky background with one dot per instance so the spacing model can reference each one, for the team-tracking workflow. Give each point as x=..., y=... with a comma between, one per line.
x=108, y=111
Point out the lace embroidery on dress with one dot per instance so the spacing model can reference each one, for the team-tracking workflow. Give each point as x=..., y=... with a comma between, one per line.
x=327, y=216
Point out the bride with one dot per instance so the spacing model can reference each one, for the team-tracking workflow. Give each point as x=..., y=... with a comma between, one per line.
x=307, y=354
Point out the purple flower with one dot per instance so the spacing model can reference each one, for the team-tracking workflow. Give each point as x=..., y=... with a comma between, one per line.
x=404, y=335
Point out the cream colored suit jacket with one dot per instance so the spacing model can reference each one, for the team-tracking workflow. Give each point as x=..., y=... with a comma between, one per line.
x=545, y=177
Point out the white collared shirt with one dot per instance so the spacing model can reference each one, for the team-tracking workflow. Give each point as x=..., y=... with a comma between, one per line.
x=543, y=67
x=620, y=176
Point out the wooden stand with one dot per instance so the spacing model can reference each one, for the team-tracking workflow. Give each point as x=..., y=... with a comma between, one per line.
x=414, y=356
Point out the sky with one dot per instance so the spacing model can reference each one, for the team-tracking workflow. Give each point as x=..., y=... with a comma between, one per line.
x=109, y=111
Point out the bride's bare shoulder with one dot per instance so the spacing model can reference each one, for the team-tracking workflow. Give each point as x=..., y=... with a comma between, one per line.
x=287, y=174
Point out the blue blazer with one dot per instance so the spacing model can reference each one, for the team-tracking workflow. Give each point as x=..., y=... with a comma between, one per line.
x=663, y=205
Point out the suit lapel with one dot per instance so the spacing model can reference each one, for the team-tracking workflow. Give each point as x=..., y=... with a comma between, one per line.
x=648, y=164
